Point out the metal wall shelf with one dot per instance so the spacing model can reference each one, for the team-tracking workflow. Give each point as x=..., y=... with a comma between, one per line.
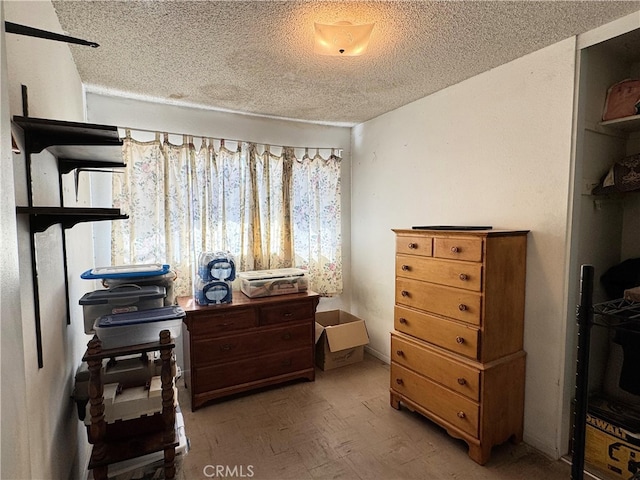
x=76, y=146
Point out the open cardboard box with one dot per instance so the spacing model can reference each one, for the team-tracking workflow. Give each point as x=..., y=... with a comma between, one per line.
x=340, y=339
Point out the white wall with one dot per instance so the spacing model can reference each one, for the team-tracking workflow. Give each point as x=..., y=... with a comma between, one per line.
x=492, y=150
x=44, y=415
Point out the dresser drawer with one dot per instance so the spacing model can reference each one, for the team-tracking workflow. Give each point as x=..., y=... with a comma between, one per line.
x=414, y=245
x=445, y=272
x=450, y=335
x=289, y=312
x=469, y=249
x=236, y=373
x=227, y=348
x=450, y=302
x=222, y=322
x=443, y=370
x=450, y=406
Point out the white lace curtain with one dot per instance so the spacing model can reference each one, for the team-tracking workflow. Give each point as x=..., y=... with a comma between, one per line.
x=268, y=210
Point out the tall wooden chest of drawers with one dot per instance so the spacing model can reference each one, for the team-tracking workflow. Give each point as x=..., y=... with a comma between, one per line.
x=456, y=352
x=247, y=344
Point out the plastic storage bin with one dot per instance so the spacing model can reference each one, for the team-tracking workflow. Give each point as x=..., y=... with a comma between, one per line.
x=119, y=299
x=279, y=281
x=141, y=274
x=134, y=328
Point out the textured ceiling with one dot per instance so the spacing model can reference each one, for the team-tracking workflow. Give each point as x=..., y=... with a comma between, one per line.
x=257, y=57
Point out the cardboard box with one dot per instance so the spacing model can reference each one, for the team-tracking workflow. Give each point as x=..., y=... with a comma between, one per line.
x=340, y=339
x=611, y=448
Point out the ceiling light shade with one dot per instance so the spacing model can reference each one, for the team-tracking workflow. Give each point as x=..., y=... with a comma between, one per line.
x=342, y=38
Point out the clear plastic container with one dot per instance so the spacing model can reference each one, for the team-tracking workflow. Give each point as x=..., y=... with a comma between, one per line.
x=135, y=328
x=119, y=299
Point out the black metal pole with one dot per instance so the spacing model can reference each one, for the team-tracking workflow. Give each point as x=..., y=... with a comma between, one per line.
x=11, y=27
x=584, y=318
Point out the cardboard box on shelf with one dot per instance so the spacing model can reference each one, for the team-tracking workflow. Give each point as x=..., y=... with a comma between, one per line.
x=612, y=449
x=340, y=339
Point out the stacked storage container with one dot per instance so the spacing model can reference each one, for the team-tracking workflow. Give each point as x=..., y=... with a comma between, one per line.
x=136, y=306
x=212, y=285
x=134, y=309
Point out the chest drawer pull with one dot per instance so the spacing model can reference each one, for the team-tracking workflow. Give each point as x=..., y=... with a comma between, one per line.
x=399, y=381
x=455, y=249
x=463, y=277
x=406, y=268
x=400, y=353
x=461, y=414
x=462, y=307
x=413, y=245
x=459, y=340
x=226, y=347
x=461, y=381
x=286, y=336
x=404, y=293
x=403, y=320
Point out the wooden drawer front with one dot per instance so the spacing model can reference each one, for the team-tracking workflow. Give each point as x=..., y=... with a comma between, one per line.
x=460, y=378
x=455, y=274
x=229, y=321
x=450, y=406
x=469, y=249
x=453, y=336
x=454, y=303
x=256, y=343
x=414, y=245
x=252, y=369
x=288, y=312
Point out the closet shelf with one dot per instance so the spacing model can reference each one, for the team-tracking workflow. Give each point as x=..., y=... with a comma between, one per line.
x=41, y=218
x=627, y=124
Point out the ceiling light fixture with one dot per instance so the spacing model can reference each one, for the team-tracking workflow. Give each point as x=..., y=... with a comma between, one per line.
x=342, y=38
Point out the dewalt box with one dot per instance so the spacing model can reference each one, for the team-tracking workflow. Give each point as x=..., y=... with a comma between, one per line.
x=611, y=448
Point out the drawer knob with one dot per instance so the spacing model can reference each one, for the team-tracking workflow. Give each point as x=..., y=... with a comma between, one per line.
x=406, y=267
x=455, y=249
x=413, y=245
x=461, y=414
x=460, y=340
x=463, y=277
x=399, y=381
x=462, y=307
x=400, y=353
x=286, y=336
x=404, y=293
x=462, y=381
x=226, y=347
x=402, y=320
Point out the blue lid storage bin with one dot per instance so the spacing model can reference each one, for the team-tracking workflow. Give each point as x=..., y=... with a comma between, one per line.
x=119, y=299
x=126, y=271
x=134, y=328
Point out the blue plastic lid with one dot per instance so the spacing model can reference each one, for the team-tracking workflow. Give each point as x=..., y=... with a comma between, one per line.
x=140, y=317
x=126, y=271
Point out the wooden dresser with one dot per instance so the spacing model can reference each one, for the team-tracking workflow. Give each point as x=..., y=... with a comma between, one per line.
x=456, y=352
x=248, y=343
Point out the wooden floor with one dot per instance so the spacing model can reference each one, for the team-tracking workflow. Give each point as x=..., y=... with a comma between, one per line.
x=339, y=427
